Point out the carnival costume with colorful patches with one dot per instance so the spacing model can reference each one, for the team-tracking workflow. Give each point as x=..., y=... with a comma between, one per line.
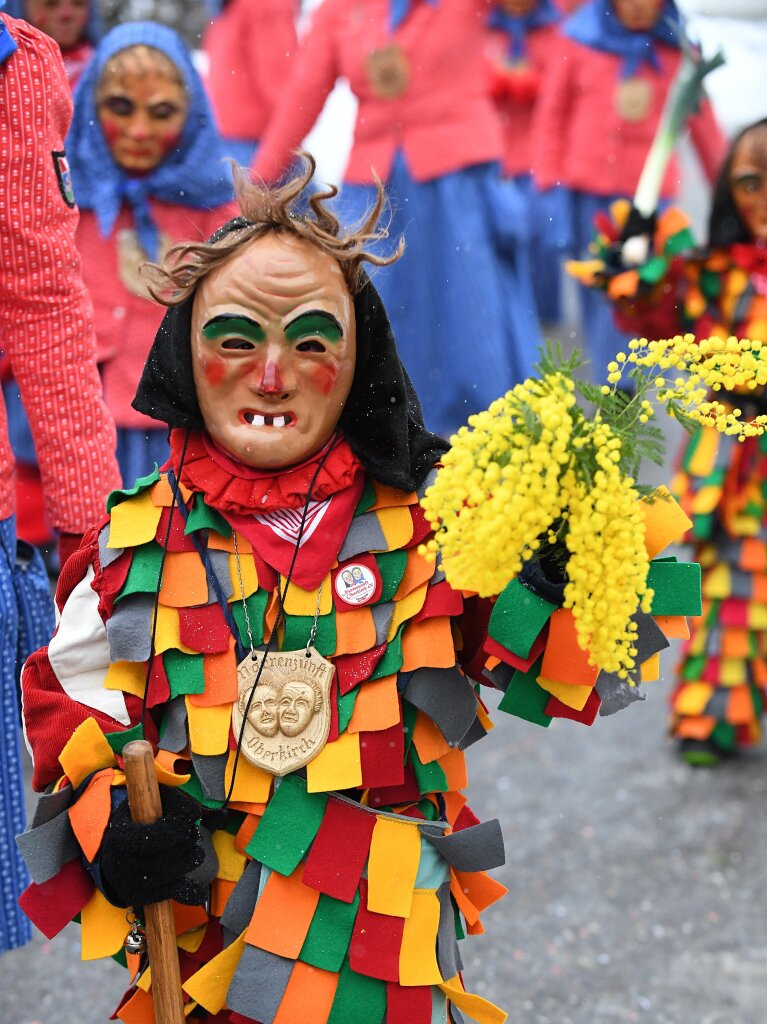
x=722, y=290
x=337, y=890
x=128, y=217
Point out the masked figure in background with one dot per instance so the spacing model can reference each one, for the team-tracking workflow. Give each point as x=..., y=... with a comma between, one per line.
x=461, y=298
x=74, y=24
x=148, y=170
x=315, y=727
x=596, y=119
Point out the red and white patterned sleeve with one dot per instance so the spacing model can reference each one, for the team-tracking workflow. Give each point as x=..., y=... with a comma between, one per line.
x=46, y=319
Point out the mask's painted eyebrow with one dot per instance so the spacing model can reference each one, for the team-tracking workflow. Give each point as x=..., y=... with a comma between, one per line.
x=232, y=325
x=315, y=321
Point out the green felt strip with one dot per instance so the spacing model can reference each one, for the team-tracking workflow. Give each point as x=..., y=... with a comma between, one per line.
x=392, y=659
x=518, y=617
x=692, y=668
x=368, y=498
x=203, y=517
x=329, y=933
x=117, y=740
x=144, y=572
x=682, y=241
x=346, y=708
x=724, y=735
x=762, y=443
x=430, y=777
x=690, y=449
x=710, y=283
x=525, y=699
x=298, y=628
x=653, y=270
x=120, y=958
x=288, y=827
x=391, y=565
x=256, y=608
x=702, y=526
x=757, y=697
x=140, y=485
x=184, y=671
x=676, y=586
x=358, y=999
x=459, y=932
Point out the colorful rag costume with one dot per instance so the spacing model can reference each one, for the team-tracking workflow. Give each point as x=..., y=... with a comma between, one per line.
x=719, y=483
x=126, y=220
x=594, y=124
x=338, y=890
x=519, y=50
x=461, y=297
x=47, y=332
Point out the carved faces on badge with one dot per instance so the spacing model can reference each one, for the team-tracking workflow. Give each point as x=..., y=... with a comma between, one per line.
x=142, y=105
x=288, y=708
x=638, y=15
x=273, y=350
x=748, y=181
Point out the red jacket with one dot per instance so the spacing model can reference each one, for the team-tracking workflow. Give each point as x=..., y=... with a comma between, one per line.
x=592, y=129
x=442, y=118
x=516, y=93
x=249, y=47
x=126, y=321
x=46, y=319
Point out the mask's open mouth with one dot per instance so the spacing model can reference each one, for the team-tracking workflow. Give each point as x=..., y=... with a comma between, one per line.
x=258, y=419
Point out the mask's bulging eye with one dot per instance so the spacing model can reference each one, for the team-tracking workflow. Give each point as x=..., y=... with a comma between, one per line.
x=237, y=343
x=311, y=345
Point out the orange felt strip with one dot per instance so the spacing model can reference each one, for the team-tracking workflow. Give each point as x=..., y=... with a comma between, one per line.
x=453, y=765
x=625, y=284
x=308, y=997
x=184, y=582
x=475, y=929
x=138, y=1010
x=270, y=616
x=454, y=804
x=467, y=908
x=760, y=672
x=428, y=643
x=376, y=707
x=162, y=493
x=355, y=631
x=735, y=643
x=674, y=627
x=698, y=728
x=563, y=660
x=220, y=891
x=218, y=543
x=429, y=741
x=740, y=706
x=418, y=570
x=246, y=832
x=664, y=521
x=753, y=555
x=760, y=589
x=480, y=888
x=283, y=914
x=670, y=222
x=386, y=496
x=220, y=674
x=90, y=815
x=187, y=918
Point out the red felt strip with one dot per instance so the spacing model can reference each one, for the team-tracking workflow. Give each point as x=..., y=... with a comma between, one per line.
x=353, y=668
x=389, y=796
x=376, y=940
x=159, y=687
x=408, y=1005
x=383, y=757
x=421, y=527
x=440, y=600
x=204, y=629
x=52, y=905
x=586, y=715
x=177, y=541
x=110, y=581
x=348, y=829
x=493, y=648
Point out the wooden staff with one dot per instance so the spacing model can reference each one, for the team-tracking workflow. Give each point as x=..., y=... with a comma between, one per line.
x=145, y=807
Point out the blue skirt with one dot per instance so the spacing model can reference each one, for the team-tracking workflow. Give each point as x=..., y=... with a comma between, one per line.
x=460, y=300
x=139, y=450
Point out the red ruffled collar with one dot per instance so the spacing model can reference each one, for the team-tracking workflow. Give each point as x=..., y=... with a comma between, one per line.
x=231, y=486
x=750, y=257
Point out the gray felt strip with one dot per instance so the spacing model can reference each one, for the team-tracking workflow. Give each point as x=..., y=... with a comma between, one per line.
x=382, y=616
x=500, y=676
x=477, y=848
x=174, y=732
x=616, y=694
x=50, y=805
x=447, y=697
x=205, y=872
x=717, y=705
x=107, y=555
x=219, y=563
x=210, y=771
x=650, y=637
x=431, y=476
x=365, y=534
x=259, y=984
x=476, y=732
x=48, y=847
x=742, y=584
x=129, y=628
x=439, y=575
x=448, y=954
x=229, y=936
x=456, y=1017
x=242, y=901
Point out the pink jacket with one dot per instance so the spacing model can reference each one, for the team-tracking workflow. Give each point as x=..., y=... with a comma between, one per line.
x=46, y=319
x=249, y=47
x=437, y=109
x=592, y=129
x=516, y=106
x=127, y=321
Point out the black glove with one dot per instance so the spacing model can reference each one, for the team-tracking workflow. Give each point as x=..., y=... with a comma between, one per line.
x=143, y=864
x=638, y=224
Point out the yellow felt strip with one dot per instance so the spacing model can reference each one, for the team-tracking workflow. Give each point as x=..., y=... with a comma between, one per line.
x=249, y=577
x=376, y=707
x=86, y=751
x=732, y=671
x=716, y=584
x=702, y=461
x=484, y=718
x=192, y=941
x=395, y=850
x=418, y=952
x=757, y=616
x=231, y=863
x=664, y=521
x=168, y=634
x=406, y=609
x=479, y=1009
x=574, y=696
x=104, y=927
x=217, y=542
x=209, y=728
x=128, y=676
x=134, y=521
x=304, y=602
x=211, y=983
x=386, y=497
x=251, y=783
x=397, y=526
x=692, y=699
x=650, y=670
x=419, y=569
x=706, y=500
x=337, y=766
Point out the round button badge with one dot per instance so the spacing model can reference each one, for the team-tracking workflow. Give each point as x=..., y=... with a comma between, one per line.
x=355, y=584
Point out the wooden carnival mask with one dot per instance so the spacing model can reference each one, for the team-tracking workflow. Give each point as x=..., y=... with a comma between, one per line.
x=748, y=181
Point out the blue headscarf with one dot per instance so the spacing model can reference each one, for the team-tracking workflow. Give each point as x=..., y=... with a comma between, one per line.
x=516, y=27
x=193, y=174
x=399, y=10
x=7, y=42
x=94, y=28
x=596, y=24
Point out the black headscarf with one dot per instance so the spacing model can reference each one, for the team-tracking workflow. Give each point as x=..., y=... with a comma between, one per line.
x=382, y=418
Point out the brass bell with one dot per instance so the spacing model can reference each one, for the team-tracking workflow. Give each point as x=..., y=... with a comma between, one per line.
x=135, y=940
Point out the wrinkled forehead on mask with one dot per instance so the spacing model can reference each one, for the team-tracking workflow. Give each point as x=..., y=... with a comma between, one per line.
x=136, y=62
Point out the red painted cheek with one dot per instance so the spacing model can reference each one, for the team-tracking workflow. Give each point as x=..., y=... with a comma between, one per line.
x=111, y=132
x=169, y=141
x=324, y=378
x=214, y=371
